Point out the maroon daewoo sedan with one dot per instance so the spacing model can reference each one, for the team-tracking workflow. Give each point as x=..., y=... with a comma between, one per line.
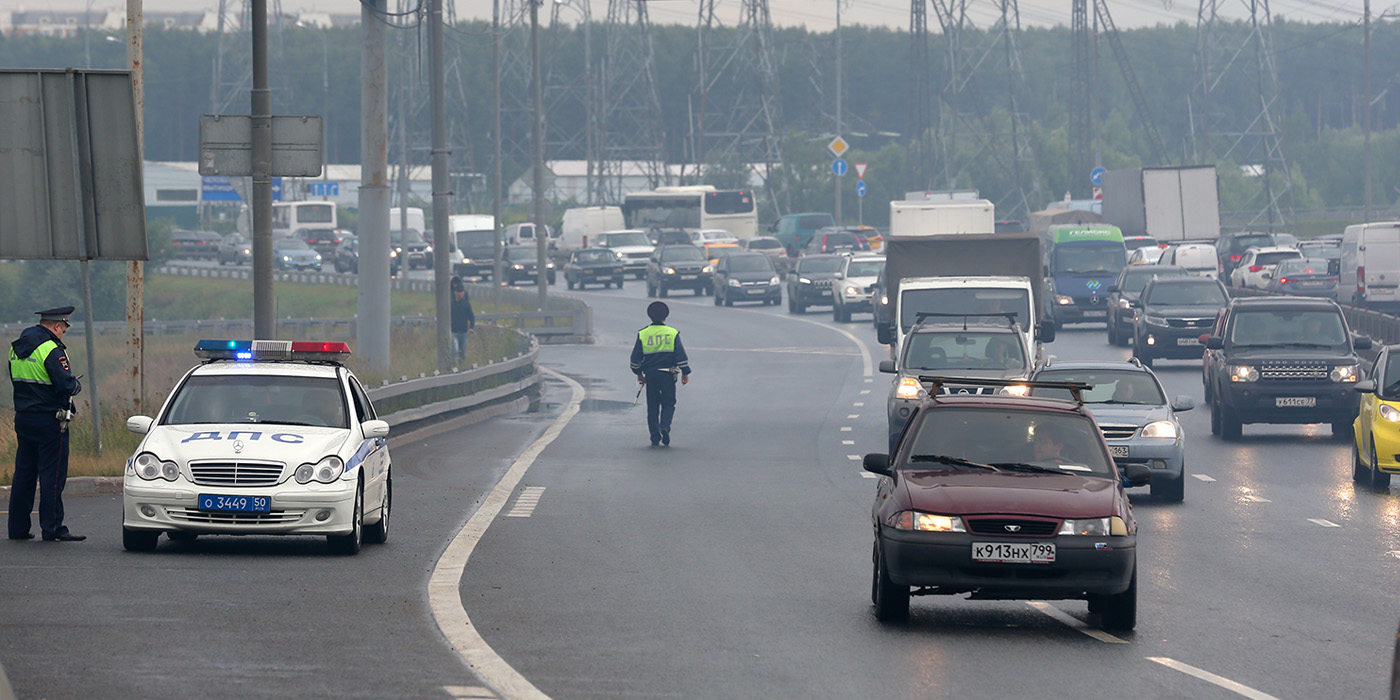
x=1003, y=497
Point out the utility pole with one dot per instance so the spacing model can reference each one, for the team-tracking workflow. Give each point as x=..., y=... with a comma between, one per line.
x=136, y=269
x=540, y=235
x=497, y=208
x=1367, y=99
x=837, y=178
x=264, y=325
x=442, y=237
x=372, y=327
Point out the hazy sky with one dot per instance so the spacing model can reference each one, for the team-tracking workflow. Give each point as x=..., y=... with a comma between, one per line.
x=817, y=15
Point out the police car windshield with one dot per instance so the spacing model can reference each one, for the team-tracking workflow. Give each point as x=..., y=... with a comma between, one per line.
x=313, y=401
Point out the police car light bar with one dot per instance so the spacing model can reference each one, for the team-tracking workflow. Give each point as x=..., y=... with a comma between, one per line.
x=254, y=350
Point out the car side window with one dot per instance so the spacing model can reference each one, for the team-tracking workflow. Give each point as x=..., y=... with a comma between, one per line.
x=364, y=410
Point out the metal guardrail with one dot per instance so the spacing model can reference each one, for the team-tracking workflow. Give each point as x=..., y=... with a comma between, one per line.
x=566, y=320
x=410, y=400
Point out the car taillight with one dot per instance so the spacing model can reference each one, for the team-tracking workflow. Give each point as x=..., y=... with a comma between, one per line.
x=1283, y=280
x=1255, y=268
x=1234, y=258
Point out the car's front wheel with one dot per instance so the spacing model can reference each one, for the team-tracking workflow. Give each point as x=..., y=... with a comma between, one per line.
x=349, y=544
x=1119, y=611
x=378, y=533
x=1359, y=473
x=891, y=600
x=1380, y=481
x=140, y=540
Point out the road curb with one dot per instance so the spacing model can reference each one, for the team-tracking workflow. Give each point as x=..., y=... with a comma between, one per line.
x=82, y=485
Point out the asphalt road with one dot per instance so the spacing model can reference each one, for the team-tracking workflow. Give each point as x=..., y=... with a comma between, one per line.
x=734, y=564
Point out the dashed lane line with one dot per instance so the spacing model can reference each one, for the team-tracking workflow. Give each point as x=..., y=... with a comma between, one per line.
x=869, y=475
x=848, y=442
x=858, y=404
x=853, y=416
x=1324, y=523
x=444, y=586
x=1204, y=478
x=853, y=458
x=462, y=692
x=846, y=429
x=864, y=391
x=526, y=502
x=1073, y=623
x=1213, y=679
x=1256, y=499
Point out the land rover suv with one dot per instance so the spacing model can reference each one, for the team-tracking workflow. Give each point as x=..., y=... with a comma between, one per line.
x=1281, y=360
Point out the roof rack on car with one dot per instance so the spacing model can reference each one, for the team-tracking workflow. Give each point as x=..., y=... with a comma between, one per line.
x=919, y=317
x=1076, y=389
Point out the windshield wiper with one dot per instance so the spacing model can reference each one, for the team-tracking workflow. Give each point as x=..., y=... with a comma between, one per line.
x=953, y=461
x=1023, y=467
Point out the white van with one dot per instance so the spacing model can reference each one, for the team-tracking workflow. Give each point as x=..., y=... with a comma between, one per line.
x=1196, y=258
x=581, y=225
x=473, y=244
x=522, y=233
x=1370, y=266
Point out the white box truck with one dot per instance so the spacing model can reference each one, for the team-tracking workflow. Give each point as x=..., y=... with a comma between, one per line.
x=581, y=226
x=1169, y=204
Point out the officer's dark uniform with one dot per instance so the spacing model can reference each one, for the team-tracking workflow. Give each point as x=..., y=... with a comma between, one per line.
x=44, y=386
x=656, y=358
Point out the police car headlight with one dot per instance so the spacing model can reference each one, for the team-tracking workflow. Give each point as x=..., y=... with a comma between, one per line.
x=1344, y=373
x=1389, y=413
x=1097, y=527
x=325, y=471
x=150, y=467
x=735, y=283
x=1159, y=429
x=305, y=473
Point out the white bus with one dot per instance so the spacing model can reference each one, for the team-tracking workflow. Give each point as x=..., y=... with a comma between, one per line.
x=290, y=217
x=692, y=208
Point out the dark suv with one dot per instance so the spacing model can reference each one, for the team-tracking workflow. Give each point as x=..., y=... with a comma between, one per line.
x=1172, y=313
x=1002, y=497
x=810, y=282
x=1124, y=290
x=678, y=266
x=1230, y=247
x=1281, y=360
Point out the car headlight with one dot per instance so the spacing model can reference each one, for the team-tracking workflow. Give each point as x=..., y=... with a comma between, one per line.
x=325, y=471
x=1243, y=373
x=466, y=261
x=851, y=291
x=1063, y=300
x=286, y=258
x=428, y=249
x=1015, y=390
x=925, y=522
x=549, y=266
x=150, y=467
x=1389, y=413
x=393, y=253
x=735, y=283
x=908, y=389
x=318, y=257
x=518, y=266
x=804, y=280
x=1154, y=320
x=247, y=251
x=1344, y=373
x=1160, y=429
x=1097, y=527
x=670, y=270
x=706, y=270
x=775, y=281
x=884, y=300
x=1124, y=303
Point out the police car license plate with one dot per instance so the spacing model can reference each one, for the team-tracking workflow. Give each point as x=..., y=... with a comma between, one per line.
x=245, y=504
x=1095, y=314
x=1188, y=341
x=1118, y=450
x=1014, y=552
x=1295, y=401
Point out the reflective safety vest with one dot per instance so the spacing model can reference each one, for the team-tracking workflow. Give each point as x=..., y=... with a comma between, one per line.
x=31, y=370
x=658, y=339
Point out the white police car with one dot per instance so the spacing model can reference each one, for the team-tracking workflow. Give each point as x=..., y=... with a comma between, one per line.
x=266, y=437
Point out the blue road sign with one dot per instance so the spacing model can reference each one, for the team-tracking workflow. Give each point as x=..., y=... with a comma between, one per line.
x=217, y=188
x=277, y=188
x=1096, y=175
x=325, y=189
x=860, y=188
x=839, y=166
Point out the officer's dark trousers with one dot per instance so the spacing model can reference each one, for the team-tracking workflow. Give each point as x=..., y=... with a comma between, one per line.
x=42, y=458
x=661, y=402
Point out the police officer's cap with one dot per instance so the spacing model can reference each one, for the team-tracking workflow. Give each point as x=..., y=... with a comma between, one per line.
x=658, y=311
x=60, y=313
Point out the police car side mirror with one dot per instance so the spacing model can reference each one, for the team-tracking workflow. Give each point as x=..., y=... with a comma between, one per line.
x=879, y=463
x=139, y=424
x=375, y=428
x=1362, y=343
x=887, y=366
x=1183, y=403
x=1365, y=386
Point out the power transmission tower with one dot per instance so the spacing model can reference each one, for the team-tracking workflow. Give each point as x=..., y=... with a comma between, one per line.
x=630, y=126
x=735, y=112
x=1081, y=107
x=1233, y=58
x=571, y=103
x=922, y=71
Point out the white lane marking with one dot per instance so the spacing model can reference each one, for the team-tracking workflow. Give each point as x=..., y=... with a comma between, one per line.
x=859, y=404
x=526, y=502
x=1209, y=677
x=444, y=586
x=848, y=442
x=468, y=691
x=870, y=475
x=1073, y=623
x=1203, y=477
x=853, y=415
x=853, y=458
x=868, y=380
x=1324, y=523
x=846, y=429
x=864, y=391
x=1256, y=499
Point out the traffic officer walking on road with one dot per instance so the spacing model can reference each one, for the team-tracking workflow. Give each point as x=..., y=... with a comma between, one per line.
x=657, y=357
x=44, y=390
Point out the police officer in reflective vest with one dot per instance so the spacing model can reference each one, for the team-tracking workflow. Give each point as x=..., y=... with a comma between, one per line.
x=657, y=357
x=44, y=389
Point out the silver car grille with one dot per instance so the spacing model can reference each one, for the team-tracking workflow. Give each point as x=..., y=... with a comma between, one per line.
x=236, y=473
x=1118, y=432
x=194, y=515
x=1293, y=373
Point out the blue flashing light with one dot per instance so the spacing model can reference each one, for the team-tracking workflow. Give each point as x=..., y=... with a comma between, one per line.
x=244, y=355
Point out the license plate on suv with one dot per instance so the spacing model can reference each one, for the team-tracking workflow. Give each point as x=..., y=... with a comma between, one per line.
x=1188, y=341
x=1014, y=552
x=1295, y=402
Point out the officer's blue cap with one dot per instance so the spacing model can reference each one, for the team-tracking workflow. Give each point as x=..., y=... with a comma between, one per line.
x=60, y=313
x=658, y=311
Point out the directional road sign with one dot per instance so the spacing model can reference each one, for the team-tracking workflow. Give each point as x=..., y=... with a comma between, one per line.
x=1096, y=175
x=838, y=146
x=860, y=188
x=325, y=189
x=839, y=167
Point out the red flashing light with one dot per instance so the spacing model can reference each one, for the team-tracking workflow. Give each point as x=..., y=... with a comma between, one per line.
x=312, y=346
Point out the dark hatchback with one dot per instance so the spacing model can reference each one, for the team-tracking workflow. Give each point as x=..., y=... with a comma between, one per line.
x=1172, y=313
x=811, y=281
x=593, y=266
x=347, y=256
x=1282, y=360
x=1124, y=291
x=1004, y=498
x=680, y=266
x=1308, y=277
x=747, y=277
